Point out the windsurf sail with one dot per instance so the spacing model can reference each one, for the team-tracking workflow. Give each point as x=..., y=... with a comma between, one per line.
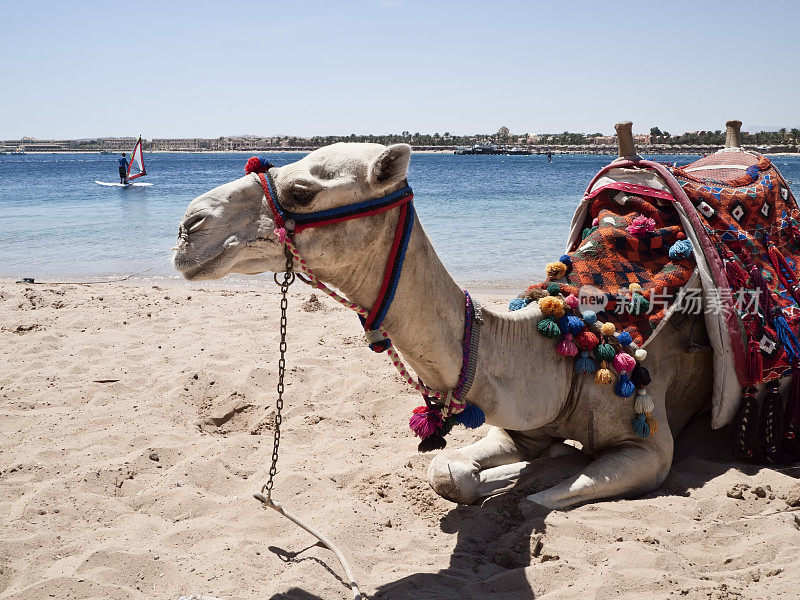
x=136, y=164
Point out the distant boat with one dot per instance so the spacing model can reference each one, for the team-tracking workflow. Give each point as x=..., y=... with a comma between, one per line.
x=519, y=151
x=480, y=149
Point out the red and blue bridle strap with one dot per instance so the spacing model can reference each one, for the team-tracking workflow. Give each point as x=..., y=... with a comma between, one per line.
x=331, y=216
x=401, y=198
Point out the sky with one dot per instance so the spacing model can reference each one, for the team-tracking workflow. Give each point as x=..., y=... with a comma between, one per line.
x=209, y=69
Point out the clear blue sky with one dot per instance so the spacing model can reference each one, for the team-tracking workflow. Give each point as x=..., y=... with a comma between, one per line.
x=164, y=69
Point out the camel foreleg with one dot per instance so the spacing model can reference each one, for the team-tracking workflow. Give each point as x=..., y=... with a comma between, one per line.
x=481, y=469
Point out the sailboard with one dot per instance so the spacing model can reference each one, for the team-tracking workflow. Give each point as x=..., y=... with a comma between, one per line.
x=114, y=184
x=136, y=164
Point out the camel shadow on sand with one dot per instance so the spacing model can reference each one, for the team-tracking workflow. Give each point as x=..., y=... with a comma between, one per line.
x=495, y=542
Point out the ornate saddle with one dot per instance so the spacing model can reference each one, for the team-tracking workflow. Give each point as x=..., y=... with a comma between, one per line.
x=720, y=235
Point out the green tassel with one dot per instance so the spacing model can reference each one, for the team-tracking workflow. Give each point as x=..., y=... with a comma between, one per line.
x=605, y=352
x=588, y=231
x=639, y=304
x=548, y=328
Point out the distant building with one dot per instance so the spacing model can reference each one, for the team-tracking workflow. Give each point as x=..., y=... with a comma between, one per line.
x=604, y=140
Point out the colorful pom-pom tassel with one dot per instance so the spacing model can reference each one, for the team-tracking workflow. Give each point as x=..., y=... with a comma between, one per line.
x=554, y=289
x=425, y=421
x=566, y=260
x=517, y=303
x=570, y=324
x=625, y=338
x=640, y=354
x=589, y=317
x=556, y=270
x=434, y=442
x=571, y=301
x=608, y=329
x=640, y=426
x=587, y=340
x=567, y=347
x=624, y=387
x=640, y=376
x=641, y=225
x=471, y=417
x=605, y=352
x=548, y=328
x=639, y=304
x=624, y=363
x=552, y=306
x=257, y=165
x=604, y=375
x=585, y=365
x=644, y=402
x=681, y=250
x=651, y=423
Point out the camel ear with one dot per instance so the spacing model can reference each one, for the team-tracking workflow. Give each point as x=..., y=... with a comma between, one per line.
x=391, y=165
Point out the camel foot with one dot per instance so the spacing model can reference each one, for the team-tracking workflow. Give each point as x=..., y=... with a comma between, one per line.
x=531, y=509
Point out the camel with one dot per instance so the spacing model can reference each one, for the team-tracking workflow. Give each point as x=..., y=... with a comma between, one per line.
x=533, y=400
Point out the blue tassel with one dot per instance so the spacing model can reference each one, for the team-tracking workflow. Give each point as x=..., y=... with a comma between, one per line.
x=625, y=338
x=640, y=426
x=589, y=317
x=786, y=336
x=585, y=365
x=680, y=250
x=624, y=387
x=471, y=417
x=517, y=303
x=566, y=260
x=570, y=324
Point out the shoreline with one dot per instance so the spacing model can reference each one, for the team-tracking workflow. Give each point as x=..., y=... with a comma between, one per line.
x=505, y=289
x=610, y=151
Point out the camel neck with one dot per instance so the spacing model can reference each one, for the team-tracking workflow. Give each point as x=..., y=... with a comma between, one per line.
x=425, y=321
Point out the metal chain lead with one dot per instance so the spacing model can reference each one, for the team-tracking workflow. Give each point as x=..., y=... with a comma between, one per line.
x=288, y=279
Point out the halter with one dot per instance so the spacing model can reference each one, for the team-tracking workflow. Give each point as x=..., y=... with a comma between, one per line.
x=430, y=422
x=293, y=223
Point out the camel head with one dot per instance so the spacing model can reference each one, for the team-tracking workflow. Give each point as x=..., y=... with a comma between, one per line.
x=231, y=229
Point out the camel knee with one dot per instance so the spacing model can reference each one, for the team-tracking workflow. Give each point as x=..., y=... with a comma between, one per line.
x=454, y=478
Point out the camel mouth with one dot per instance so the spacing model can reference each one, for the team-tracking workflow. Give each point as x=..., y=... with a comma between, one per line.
x=193, y=270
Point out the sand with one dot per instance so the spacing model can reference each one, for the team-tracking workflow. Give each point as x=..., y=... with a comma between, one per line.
x=97, y=382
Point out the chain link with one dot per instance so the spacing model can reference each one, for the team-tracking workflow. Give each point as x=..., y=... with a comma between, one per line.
x=288, y=279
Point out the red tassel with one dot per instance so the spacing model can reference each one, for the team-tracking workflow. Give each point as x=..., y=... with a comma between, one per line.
x=793, y=400
x=746, y=424
x=759, y=283
x=754, y=362
x=785, y=273
x=737, y=276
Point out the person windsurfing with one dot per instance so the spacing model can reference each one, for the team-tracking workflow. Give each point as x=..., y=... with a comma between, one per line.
x=123, y=169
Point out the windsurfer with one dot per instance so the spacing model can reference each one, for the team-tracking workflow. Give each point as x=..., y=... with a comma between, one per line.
x=123, y=169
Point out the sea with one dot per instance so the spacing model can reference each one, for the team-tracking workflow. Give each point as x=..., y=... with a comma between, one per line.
x=494, y=220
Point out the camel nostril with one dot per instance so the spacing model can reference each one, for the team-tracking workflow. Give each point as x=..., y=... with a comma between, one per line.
x=190, y=225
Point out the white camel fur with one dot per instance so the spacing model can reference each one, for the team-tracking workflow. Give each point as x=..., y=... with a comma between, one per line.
x=531, y=396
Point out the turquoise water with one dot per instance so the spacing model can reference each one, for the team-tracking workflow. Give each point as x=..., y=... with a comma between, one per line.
x=493, y=219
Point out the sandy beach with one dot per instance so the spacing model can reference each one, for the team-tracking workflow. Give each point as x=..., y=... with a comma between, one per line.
x=137, y=423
